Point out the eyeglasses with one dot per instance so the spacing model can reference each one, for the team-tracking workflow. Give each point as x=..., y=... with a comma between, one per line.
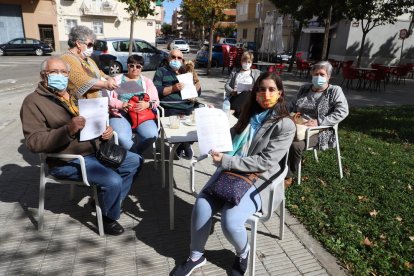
x=57, y=72
x=88, y=45
x=132, y=66
x=175, y=57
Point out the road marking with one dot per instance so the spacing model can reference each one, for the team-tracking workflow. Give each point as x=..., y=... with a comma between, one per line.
x=16, y=89
x=8, y=81
x=6, y=123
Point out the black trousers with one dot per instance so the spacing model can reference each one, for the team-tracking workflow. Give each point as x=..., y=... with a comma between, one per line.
x=295, y=154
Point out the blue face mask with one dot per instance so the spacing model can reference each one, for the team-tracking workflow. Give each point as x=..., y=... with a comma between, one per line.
x=57, y=81
x=175, y=64
x=318, y=81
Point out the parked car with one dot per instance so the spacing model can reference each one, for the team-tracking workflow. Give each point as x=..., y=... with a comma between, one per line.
x=25, y=46
x=217, y=56
x=119, y=47
x=160, y=40
x=249, y=46
x=181, y=45
x=284, y=57
x=228, y=41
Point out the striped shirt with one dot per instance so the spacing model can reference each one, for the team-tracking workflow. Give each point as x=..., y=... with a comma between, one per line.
x=164, y=77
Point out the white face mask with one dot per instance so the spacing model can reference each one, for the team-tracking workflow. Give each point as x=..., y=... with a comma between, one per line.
x=246, y=65
x=87, y=52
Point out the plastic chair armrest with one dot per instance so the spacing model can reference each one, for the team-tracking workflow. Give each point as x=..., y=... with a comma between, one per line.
x=72, y=156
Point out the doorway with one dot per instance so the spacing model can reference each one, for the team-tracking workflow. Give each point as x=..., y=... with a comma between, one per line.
x=46, y=34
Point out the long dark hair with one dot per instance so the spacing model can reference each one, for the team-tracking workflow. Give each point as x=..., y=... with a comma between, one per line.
x=251, y=107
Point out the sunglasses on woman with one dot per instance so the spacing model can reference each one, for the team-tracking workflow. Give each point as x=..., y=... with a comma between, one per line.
x=137, y=66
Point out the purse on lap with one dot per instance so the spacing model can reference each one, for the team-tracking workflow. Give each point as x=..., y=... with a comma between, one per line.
x=230, y=186
x=301, y=128
x=110, y=154
x=141, y=116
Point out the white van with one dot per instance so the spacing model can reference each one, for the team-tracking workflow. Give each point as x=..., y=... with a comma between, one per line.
x=229, y=41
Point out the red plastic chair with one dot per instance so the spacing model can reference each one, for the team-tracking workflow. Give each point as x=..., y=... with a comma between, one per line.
x=302, y=67
x=374, y=79
x=229, y=57
x=399, y=73
x=349, y=74
x=335, y=64
x=277, y=68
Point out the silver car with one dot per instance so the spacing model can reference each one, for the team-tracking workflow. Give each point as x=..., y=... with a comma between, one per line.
x=119, y=47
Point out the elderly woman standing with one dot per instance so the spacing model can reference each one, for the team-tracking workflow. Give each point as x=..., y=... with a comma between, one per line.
x=244, y=77
x=323, y=104
x=85, y=77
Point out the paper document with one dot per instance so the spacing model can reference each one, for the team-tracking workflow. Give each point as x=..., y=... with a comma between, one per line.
x=213, y=130
x=189, y=91
x=129, y=87
x=243, y=87
x=95, y=112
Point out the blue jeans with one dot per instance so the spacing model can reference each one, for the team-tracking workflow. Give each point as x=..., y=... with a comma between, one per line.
x=147, y=133
x=113, y=185
x=233, y=219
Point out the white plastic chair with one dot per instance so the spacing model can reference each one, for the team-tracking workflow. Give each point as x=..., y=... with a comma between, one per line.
x=46, y=178
x=315, y=149
x=276, y=197
x=160, y=113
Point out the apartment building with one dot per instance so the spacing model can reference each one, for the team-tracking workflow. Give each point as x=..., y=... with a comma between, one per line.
x=51, y=20
x=107, y=18
x=28, y=18
x=177, y=22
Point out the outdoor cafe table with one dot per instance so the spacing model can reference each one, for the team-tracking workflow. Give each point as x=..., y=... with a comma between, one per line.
x=362, y=71
x=263, y=65
x=174, y=137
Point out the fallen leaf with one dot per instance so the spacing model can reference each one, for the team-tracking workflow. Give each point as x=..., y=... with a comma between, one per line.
x=373, y=213
x=295, y=206
x=302, y=198
x=362, y=198
x=394, y=162
x=411, y=238
x=322, y=182
x=409, y=187
x=367, y=242
x=383, y=237
x=398, y=218
x=408, y=265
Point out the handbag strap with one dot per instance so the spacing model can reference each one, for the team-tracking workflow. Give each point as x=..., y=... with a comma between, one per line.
x=249, y=177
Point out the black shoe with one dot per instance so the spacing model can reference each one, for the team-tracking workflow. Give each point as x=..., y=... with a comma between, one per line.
x=188, y=266
x=112, y=227
x=239, y=265
x=188, y=151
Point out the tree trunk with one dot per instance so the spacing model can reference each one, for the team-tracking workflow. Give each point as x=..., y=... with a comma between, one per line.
x=296, y=38
x=361, y=49
x=131, y=34
x=326, y=35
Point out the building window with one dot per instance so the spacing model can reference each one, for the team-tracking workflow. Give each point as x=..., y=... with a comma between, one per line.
x=97, y=27
x=244, y=36
x=69, y=24
x=149, y=23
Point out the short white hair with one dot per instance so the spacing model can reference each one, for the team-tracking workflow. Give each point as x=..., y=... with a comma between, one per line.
x=44, y=63
x=326, y=65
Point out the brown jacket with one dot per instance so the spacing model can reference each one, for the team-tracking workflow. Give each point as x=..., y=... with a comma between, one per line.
x=44, y=121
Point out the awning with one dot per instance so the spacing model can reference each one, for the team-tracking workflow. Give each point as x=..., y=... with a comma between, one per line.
x=318, y=30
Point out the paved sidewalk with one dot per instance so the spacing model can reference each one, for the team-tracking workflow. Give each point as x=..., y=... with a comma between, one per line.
x=69, y=245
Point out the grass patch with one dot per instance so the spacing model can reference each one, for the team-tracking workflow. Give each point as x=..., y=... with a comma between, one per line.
x=366, y=219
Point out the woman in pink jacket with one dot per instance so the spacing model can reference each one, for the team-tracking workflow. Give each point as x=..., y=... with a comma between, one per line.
x=147, y=131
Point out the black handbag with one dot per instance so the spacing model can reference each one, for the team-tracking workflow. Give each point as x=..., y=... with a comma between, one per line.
x=231, y=187
x=110, y=154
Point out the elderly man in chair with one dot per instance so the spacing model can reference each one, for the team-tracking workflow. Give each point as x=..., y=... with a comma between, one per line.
x=51, y=124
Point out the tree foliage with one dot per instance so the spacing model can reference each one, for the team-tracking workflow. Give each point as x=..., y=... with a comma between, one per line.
x=136, y=9
x=206, y=13
x=374, y=13
x=303, y=11
x=166, y=29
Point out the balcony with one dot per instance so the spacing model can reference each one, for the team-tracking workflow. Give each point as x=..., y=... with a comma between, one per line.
x=106, y=8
